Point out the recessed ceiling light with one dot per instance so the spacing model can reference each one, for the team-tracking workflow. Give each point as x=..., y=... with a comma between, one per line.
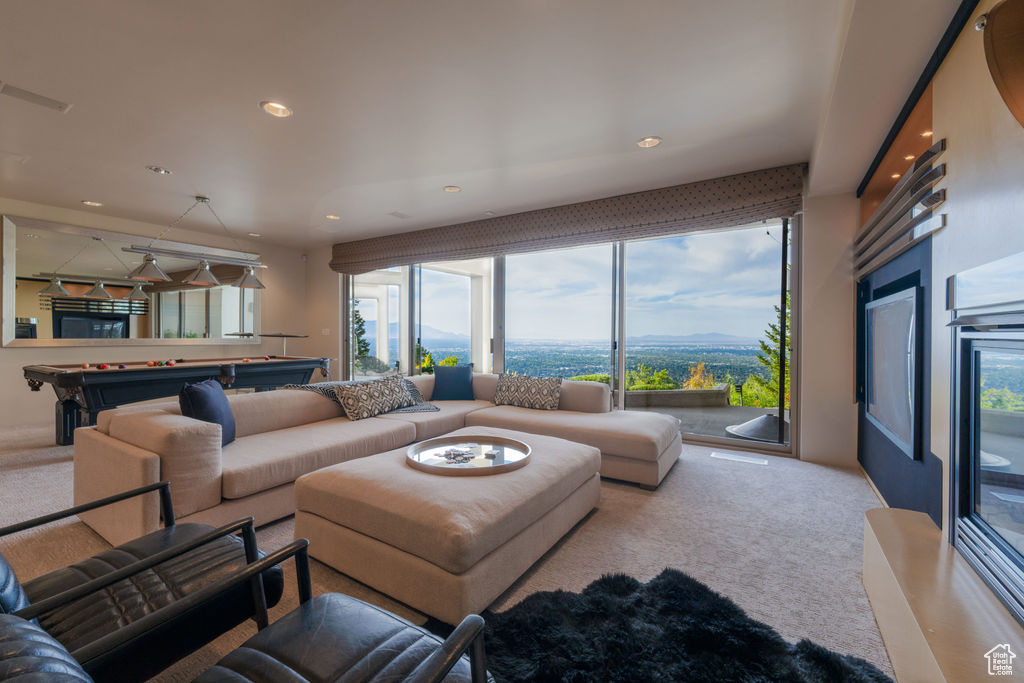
x=909, y=157
x=91, y=203
x=255, y=234
x=159, y=170
x=649, y=141
x=926, y=134
x=31, y=235
x=489, y=213
x=895, y=175
x=277, y=109
x=452, y=188
x=332, y=217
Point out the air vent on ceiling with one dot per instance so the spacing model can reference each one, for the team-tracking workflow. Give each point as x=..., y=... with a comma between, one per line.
x=33, y=98
x=13, y=156
x=399, y=214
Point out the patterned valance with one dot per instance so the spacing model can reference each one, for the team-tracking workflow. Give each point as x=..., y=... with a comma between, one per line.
x=718, y=203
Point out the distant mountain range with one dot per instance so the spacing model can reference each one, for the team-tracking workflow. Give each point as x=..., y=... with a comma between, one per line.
x=433, y=336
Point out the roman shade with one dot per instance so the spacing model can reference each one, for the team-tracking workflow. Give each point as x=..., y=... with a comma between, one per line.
x=722, y=202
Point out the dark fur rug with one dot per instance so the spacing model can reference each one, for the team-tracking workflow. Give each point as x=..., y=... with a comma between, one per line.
x=671, y=629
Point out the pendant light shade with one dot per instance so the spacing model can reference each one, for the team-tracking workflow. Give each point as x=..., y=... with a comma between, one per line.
x=55, y=288
x=248, y=279
x=137, y=294
x=98, y=291
x=149, y=271
x=202, y=276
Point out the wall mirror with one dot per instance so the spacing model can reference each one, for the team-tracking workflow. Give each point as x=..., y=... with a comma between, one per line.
x=66, y=285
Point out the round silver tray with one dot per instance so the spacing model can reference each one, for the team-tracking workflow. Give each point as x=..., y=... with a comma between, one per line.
x=483, y=455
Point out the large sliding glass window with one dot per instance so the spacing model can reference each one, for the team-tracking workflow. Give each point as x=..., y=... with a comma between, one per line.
x=379, y=320
x=454, y=314
x=204, y=313
x=558, y=313
x=702, y=329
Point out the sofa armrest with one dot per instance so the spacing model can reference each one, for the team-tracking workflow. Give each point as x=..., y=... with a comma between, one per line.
x=105, y=466
x=189, y=450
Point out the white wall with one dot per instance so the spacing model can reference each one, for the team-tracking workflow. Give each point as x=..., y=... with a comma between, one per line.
x=827, y=418
x=282, y=310
x=984, y=200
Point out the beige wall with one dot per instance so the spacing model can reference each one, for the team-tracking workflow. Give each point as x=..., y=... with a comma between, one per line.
x=827, y=418
x=322, y=309
x=985, y=197
x=282, y=310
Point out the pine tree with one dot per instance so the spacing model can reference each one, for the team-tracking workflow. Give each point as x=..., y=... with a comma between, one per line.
x=362, y=345
x=768, y=356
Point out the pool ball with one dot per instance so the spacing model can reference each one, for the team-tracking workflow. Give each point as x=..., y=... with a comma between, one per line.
x=103, y=366
x=245, y=360
x=171, y=362
x=122, y=366
x=85, y=365
x=150, y=363
x=266, y=357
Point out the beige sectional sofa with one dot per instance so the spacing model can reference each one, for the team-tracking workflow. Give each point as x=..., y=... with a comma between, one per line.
x=281, y=435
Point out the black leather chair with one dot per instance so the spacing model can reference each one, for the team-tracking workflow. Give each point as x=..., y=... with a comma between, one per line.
x=327, y=638
x=89, y=601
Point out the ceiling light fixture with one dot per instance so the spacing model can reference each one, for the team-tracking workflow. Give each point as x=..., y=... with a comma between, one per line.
x=149, y=271
x=159, y=170
x=332, y=217
x=55, y=288
x=926, y=134
x=649, y=141
x=98, y=291
x=202, y=275
x=89, y=202
x=452, y=188
x=895, y=175
x=276, y=109
x=909, y=157
x=255, y=234
x=137, y=294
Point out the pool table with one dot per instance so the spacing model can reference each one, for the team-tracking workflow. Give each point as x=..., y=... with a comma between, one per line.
x=82, y=392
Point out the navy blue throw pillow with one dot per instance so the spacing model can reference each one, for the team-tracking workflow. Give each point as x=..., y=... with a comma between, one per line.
x=453, y=383
x=206, y=401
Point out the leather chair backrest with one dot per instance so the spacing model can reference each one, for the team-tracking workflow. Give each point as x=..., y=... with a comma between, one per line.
x=29, y=651
x=12, y=596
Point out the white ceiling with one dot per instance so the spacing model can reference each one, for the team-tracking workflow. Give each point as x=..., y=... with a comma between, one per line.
x=525, y=104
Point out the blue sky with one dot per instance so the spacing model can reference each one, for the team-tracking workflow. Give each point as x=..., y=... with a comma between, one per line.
x=725, y=282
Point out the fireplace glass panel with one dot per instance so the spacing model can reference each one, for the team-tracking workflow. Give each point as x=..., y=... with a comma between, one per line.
x=999, y=462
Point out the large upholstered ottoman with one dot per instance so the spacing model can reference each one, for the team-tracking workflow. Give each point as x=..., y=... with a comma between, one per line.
x=446, y=546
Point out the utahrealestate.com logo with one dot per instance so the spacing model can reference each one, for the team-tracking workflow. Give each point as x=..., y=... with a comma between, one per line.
x=1000, y=660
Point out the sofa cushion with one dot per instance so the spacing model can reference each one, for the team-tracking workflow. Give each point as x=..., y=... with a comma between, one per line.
x=585, y=397
x=450, y=415
x=262, y=461
x=268, y=411
x=628, y=434
x=453, y=383
x=376, y=397
x=539, y=393
x=206, y=401
x=451, y=522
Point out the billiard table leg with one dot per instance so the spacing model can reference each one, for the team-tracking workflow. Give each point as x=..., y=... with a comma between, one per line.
x=69, y=417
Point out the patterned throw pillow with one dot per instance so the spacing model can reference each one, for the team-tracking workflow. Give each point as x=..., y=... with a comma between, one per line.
x=376, y=397
x=524, y=391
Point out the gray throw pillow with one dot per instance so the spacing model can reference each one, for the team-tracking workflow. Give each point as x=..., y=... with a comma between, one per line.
x=540, y=393
x=367, y=399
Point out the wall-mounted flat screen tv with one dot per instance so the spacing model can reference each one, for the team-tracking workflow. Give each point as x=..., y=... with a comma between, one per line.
x=891, y=369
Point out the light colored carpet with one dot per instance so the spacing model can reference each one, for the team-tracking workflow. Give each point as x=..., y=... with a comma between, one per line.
x=784, y=541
